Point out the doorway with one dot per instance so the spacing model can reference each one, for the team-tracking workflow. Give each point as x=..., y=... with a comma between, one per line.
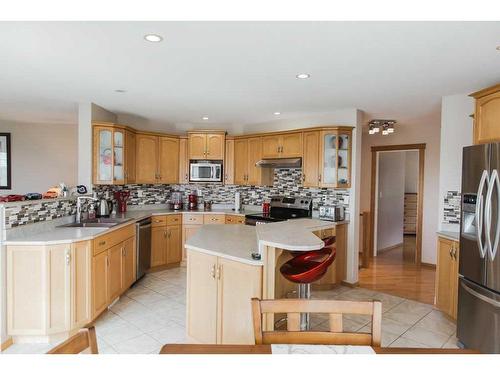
x=395, y=221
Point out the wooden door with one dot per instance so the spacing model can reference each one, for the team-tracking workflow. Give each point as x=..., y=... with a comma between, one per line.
x=146, y=159
x=174, y=247
x=183, y=161
x=59, y=289
x=158, y=246
x=114, y=272
x=454, y=279
x=187, y=232
x=254, y=155
x=81, y=288
x=99, y=283
x=444, y=271
x=130, y=157
x=168, y=160
x=271, y=147
x=197, y=146
x=215, y=146
x=201, y=301
x=487, y=119
x=128, y=263
x=240, y=161
x=238, y=284
x=291, y=145
x=310, y=161
x=229, y=162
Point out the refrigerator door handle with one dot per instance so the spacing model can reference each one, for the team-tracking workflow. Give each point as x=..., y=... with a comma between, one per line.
x=482, y=297
x=479, y=212
x=495, y=183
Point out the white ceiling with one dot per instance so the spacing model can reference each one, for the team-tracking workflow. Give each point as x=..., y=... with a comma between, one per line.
x=241, y=72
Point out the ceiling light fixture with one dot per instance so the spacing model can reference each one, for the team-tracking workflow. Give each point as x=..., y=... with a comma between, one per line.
x=120, y=90
x=277, y=113
x=387, y=126
x=303, y=76
x=154, y=38
x=205, y=118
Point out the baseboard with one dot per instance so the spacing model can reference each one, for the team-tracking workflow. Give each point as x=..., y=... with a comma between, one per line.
x=389, y=248
x=6, y=344
x=350, y=285
x=429, y=265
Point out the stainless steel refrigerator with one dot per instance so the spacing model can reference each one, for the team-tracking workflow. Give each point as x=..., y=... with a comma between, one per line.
x=478, y=320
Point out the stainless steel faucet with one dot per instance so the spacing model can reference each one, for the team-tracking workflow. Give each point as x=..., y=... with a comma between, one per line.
x=79, y=206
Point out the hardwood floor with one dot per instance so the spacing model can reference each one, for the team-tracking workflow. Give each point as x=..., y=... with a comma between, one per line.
x=395, y=273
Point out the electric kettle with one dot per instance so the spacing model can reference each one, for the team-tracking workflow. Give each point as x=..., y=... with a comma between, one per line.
x=104, y=207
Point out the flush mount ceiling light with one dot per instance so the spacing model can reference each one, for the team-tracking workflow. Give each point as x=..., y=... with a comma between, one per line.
x=387, y=126
x=120, y=90
x=205, y=118
x=154, y=38
x=303, y=76
x=277, y=113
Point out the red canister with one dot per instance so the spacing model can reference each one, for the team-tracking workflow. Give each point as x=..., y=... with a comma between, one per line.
x=266, y=207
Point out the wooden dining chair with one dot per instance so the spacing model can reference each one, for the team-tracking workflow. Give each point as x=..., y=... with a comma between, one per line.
x=85, y=338
x=335, y=309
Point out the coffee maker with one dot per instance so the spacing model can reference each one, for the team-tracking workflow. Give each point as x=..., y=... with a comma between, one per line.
x=193, y=201
x=121, y=198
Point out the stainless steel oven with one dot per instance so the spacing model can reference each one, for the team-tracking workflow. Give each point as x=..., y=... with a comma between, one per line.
x=205, y=171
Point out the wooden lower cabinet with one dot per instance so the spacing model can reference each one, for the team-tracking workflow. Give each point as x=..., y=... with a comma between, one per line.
x=174, y=249
x=166, y=241
x=115, y=272
x=99, y=283
x=188, y=230
x=235, y=219
x=447, y=276
x=158, y=246
x=218, y=299
x=128, y=263
x=47, y=290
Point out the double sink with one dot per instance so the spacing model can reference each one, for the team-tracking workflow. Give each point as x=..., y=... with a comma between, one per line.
x=102, y=222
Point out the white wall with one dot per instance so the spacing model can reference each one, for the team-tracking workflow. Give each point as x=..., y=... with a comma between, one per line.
x=456, y=132
x=390, y=205
x=411, y=171
x=43, y=155
x=428, y=132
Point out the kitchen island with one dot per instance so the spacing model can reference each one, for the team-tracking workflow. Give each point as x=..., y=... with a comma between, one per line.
x=222, y=275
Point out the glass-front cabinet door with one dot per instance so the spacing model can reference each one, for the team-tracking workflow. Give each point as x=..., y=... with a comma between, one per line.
x=108, y=155
x=335, y=161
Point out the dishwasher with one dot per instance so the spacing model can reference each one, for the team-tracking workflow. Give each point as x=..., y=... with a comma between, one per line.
x=143, y=247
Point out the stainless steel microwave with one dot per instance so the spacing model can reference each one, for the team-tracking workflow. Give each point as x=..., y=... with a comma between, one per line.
x=205, y=171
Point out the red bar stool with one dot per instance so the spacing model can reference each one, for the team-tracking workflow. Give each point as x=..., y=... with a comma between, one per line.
x=307, y=267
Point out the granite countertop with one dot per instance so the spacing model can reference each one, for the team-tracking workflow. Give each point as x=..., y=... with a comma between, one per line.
x=62, y=235
x=455, y=236
x=238, y=242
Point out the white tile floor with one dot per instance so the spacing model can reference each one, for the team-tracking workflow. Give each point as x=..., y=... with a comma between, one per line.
x=152, y=313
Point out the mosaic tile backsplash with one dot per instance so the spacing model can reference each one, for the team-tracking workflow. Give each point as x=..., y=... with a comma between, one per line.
x=452, y=201
x=287, y=182
x=34, y=212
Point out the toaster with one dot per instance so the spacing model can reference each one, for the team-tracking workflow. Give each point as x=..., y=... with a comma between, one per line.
x=332, y=213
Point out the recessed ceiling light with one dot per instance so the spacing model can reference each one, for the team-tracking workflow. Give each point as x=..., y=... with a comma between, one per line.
x=204, y=118
x=277, y=113
x=303, y=76
x=155, y=38
x=120, y=90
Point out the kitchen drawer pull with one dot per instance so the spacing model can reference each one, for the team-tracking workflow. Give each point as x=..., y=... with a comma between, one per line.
x=68, y=257
x=101, y=243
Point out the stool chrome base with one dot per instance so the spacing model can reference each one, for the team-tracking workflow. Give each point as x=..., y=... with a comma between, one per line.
x=305, y=293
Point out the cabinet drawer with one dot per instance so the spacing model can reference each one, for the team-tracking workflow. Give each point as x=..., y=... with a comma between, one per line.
x=158, y=221
x=174, y=219
x=410, y=206
x=235, y=219
x=410, y=198
x=106, y=241
x=410, y=220
x=192, y=219
x=213, y=219
x=410, y=213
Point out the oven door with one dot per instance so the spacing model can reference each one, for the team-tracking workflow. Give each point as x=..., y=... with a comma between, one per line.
x=205, y=172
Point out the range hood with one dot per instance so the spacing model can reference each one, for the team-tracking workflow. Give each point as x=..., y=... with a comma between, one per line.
x=280, y=163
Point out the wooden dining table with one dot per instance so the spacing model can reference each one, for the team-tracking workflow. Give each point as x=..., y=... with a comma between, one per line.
x=266, y=349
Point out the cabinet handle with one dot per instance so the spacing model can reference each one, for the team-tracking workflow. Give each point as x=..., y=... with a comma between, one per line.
x=186, y=177
x=102, y=243
x=303, y=176
x=212, y=271
x=165, y=234
x=68, y=257
x=107, y=261
x=450, y=252
x=123, y=252
x=169, y=233
x=219, y=272
x=319, y=178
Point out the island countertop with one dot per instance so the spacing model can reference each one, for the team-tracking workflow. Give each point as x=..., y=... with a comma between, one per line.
x=238, y=242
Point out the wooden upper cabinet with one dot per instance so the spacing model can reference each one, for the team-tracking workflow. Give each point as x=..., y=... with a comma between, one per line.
x=271, y=146
x=168, y=160
x=197, y=146
x=146, y=158
x=108, y=155
x=229, y=162
x=254, y=155
x=487, y=115
x=130, y=149
x=208, y=146
x=335, y=158
x=183, y=161
x=282, y=146
x=310, y=161
x=215, y=146
x=240, y=161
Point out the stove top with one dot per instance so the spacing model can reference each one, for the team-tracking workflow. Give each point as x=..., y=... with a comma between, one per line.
x=283, y=208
